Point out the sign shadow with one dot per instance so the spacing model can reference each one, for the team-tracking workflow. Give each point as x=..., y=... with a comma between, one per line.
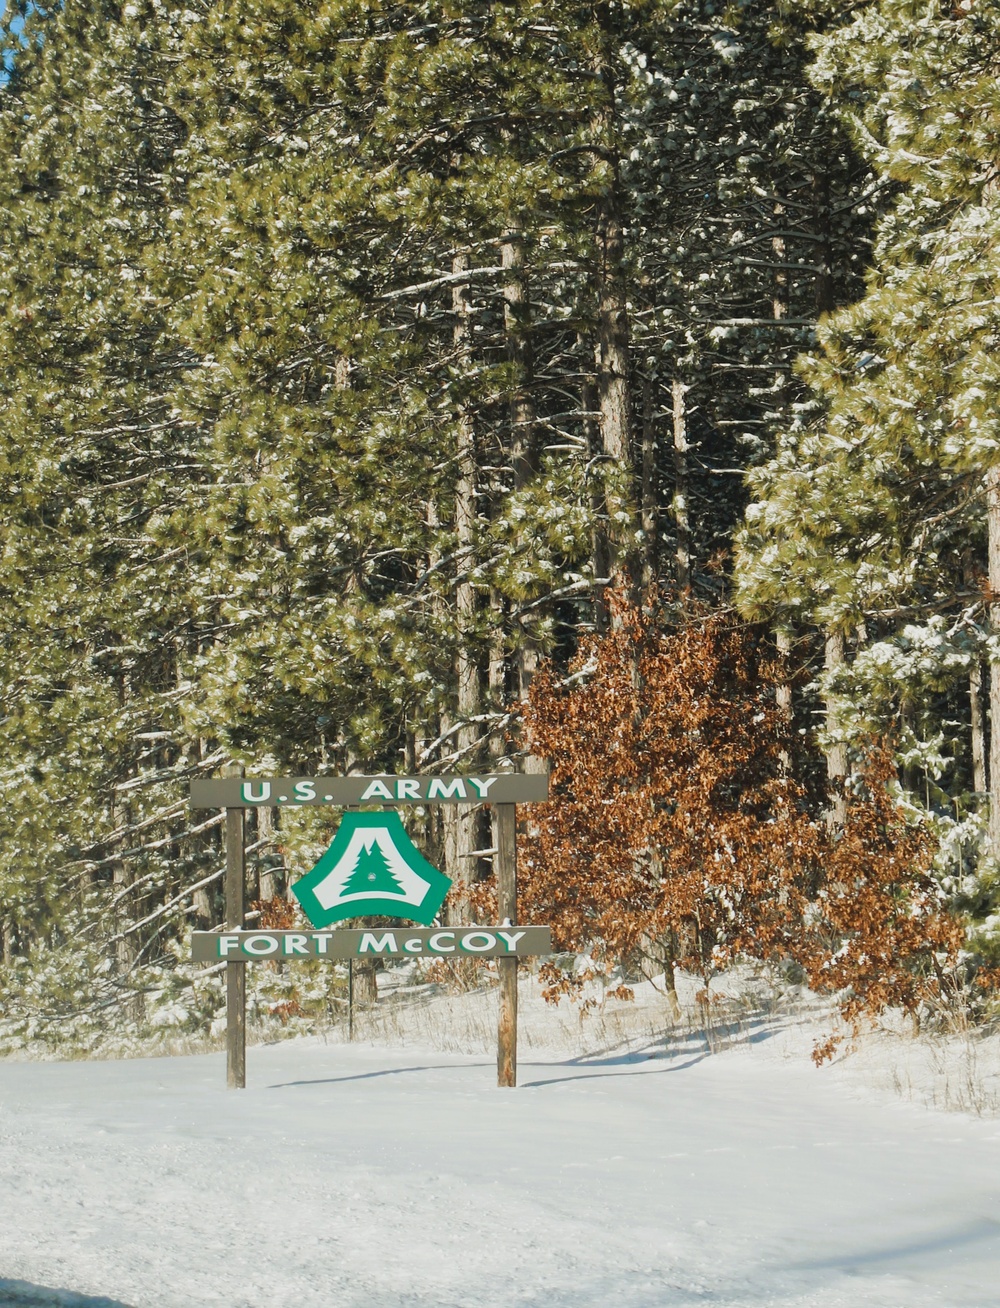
x=594, y=1070
x=361, y=1076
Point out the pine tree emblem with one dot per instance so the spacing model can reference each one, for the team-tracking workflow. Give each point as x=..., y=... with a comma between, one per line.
x=372, y=867
x=372, y=874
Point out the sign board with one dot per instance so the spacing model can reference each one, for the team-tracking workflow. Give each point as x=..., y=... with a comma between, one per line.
x=379, y=942
x=371, y=868
x=274, y=792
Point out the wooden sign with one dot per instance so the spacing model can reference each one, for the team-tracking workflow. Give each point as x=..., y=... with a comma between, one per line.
x=295, y=792
x=395, y=942
x=370, y=876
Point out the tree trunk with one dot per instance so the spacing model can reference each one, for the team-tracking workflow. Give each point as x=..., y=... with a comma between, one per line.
x=523, y=415
x=612, y=341
x=365, y=992
x=909, y=779
x=517, y=326
x=656, y=964
x=201, y=900
x=461, y=820
x=680, y=501
x=266, y=854
x=978, y=732
x=496, y=672
x=613, y=398
x=836, y=757
x=993, y=539
x=783, y=693
x=825, y=301
x=440, y=828
x=600, y=550
x=779, y=301
x=649, y=498
x=126, y=946
x=779, y=310
x=203, y=909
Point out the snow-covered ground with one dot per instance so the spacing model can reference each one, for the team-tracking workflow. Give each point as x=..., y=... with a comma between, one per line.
x=653, y=1175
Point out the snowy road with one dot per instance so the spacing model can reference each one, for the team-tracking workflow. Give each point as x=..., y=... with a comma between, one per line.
x=349, y=1176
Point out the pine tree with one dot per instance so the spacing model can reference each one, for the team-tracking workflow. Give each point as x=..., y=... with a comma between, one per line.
x=875, y=518
x=98, y=852
x=371, y=874
x=362, y=348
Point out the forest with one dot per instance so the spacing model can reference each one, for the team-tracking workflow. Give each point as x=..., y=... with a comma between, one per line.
x=600, y=386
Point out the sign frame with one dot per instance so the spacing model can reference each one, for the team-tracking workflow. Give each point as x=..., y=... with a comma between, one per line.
x=501, y=792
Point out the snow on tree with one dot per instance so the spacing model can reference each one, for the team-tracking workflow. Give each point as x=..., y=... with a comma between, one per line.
x=359, y=349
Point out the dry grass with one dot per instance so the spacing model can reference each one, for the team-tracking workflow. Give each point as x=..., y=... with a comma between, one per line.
x=953, y=1071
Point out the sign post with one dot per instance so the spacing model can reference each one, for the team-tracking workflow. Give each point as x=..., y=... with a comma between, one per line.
x=372, y=868
x=506, y=875
x=236, y=977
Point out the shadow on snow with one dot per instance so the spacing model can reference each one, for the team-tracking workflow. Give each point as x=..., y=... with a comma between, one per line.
x=20, y=1294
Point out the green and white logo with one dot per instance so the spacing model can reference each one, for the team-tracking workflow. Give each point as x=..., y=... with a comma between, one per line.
x=372, y=867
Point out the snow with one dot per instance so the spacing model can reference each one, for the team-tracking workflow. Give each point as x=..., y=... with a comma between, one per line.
x=362, y=1174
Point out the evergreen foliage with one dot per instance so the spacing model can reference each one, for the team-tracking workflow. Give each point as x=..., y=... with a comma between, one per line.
x=873, y=518
x=361, y=347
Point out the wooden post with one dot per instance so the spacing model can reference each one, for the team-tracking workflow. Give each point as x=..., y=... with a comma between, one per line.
x=236, y=976
x=506, y=869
